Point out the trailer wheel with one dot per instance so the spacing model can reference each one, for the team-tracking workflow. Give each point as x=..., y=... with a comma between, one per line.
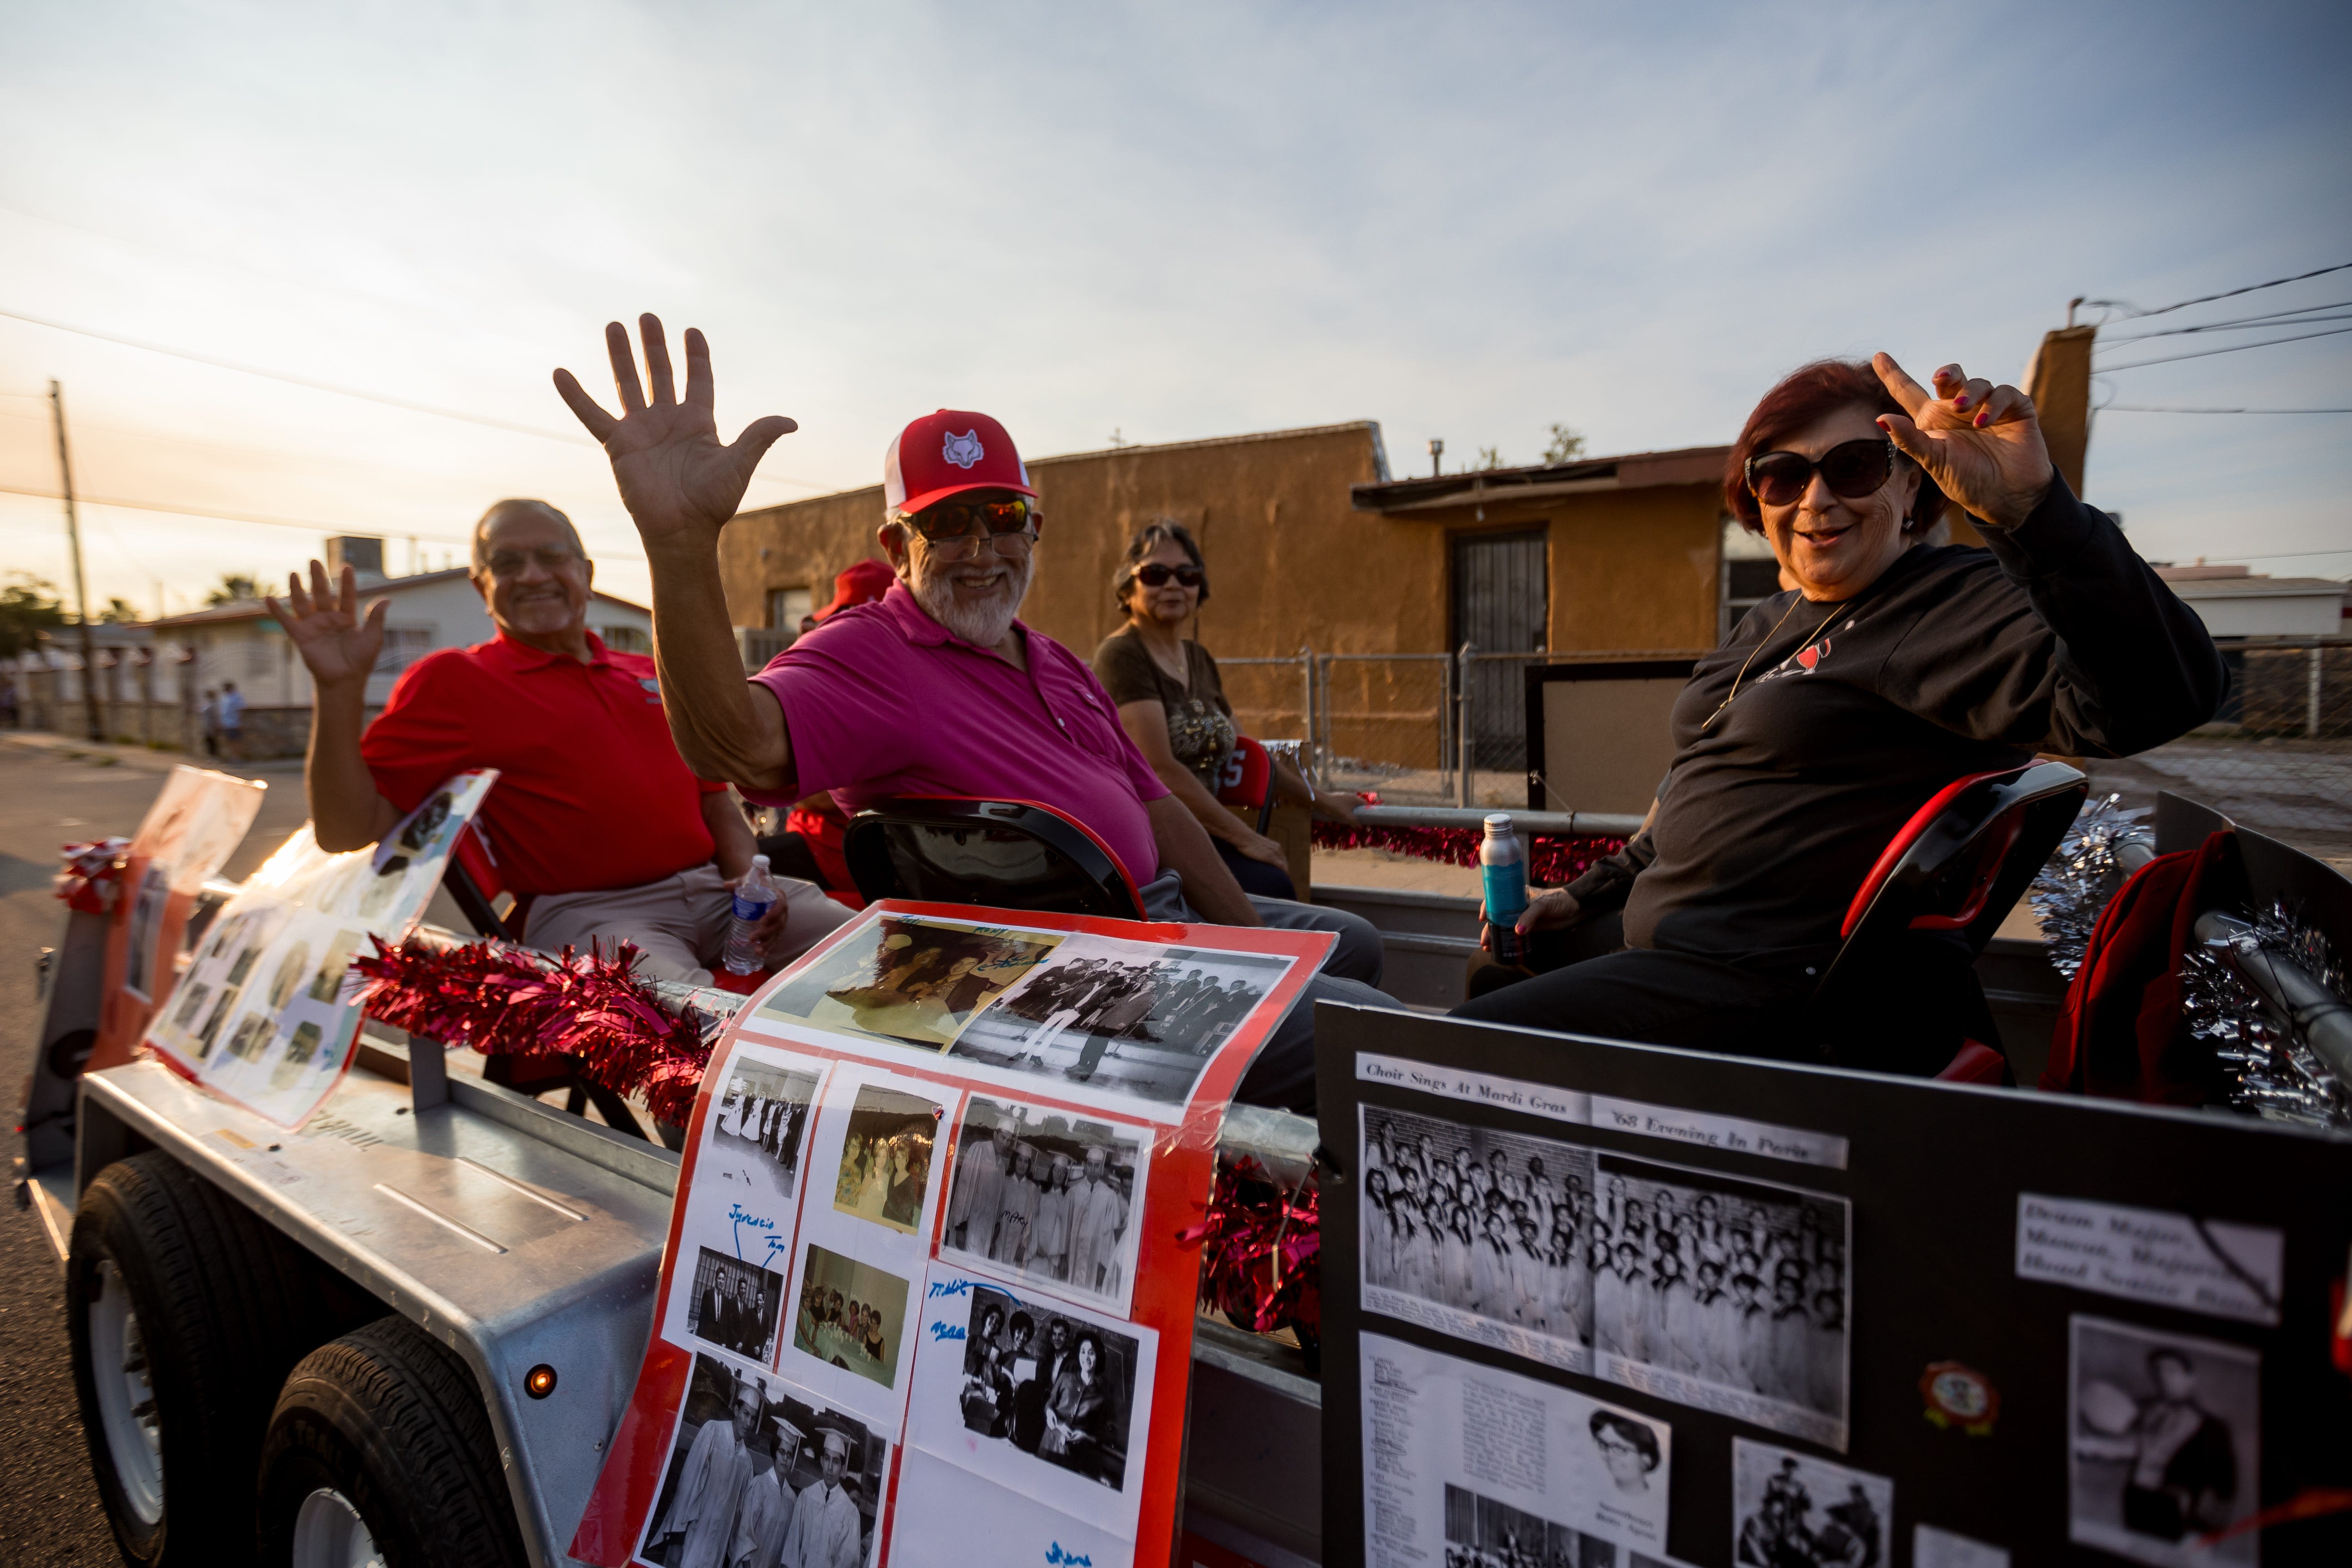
x=184, y=1311
x=381, y=1452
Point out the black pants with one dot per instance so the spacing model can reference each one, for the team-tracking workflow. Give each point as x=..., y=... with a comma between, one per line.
x=1257, y=878
x=1660, y=998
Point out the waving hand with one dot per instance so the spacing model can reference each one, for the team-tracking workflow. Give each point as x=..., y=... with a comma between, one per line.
x=324, y=625
x=675, y=478
x=1980, y=443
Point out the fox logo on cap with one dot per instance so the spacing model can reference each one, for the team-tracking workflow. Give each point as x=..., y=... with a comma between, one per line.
x=962, y=450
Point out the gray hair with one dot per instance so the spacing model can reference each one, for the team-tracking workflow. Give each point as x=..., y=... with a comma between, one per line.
x=481, y=556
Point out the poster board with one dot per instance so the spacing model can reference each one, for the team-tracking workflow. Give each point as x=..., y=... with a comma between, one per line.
x=194, y=826
x=1597, y=732
x=866, y=1290
x=263, y=1017
x=2018, y=1278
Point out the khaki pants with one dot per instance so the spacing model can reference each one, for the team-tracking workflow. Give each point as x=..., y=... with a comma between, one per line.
x=680, y=922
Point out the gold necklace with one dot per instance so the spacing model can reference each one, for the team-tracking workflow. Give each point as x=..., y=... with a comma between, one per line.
x=1834, y=611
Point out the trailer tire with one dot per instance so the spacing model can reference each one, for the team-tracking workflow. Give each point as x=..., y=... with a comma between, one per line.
x=389, y=1424
x=184, y=1311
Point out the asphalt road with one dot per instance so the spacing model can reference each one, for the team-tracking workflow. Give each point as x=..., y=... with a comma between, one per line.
x=49, y=1511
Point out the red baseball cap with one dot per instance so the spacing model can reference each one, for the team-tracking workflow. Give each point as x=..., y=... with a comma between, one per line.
x=946, y=453
x=861, y=584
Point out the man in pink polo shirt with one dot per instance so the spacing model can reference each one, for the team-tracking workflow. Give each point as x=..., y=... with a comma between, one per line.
x=935, y=690
x=596, y=823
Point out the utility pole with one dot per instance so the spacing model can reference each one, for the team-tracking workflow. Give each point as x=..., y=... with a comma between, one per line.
x=82, y=592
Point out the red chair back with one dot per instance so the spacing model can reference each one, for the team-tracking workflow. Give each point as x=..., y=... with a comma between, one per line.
x=1247, y=779
x=1954, y=872
x=475, y=886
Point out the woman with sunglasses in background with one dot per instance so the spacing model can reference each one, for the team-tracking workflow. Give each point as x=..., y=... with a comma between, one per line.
x=1837, y=707
x=1173, y=704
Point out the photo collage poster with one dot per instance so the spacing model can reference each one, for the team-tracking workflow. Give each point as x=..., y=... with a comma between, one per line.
x=262, y=1016
x=196, y=822
x=924, y=1278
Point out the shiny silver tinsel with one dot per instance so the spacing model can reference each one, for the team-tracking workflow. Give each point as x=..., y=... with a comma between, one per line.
x=2270, y=1072
x=2081, y=875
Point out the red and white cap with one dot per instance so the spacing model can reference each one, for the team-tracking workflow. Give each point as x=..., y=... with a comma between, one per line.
x=946, y=453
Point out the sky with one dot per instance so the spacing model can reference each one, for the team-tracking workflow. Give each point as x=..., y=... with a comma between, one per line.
x=1135, y=223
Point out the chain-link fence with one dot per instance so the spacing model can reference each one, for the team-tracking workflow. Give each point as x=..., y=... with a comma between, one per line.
x=2277, y=758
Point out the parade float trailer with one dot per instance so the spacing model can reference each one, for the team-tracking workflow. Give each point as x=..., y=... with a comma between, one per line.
x=406, y=1228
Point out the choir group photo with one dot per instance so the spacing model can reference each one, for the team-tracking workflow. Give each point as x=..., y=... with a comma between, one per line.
x=734, y=1305
x=1052, y=1387
x=1737, y=1287
x=1481, y=1532
x=886, y=1157
x=920, y=981
x=850, y=1315
x=759, y=1127
x=758, y=1478
x=1121, y=1015
x=1045, y=1196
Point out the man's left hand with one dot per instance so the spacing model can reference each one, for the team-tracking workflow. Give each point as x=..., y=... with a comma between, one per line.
x=677, y=480
x=1980, y=443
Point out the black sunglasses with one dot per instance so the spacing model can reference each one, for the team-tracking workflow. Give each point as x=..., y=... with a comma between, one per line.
x=1851, y=468
x=1157, y=574
x=949, y=519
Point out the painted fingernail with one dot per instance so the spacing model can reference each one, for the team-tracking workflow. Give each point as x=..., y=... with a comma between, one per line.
x=1883, y=425
x=1961, y=400
x=1982, y=417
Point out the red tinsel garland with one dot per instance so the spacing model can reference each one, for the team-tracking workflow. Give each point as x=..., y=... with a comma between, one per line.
x=1552, y=861
x=1261, y=1251
x=504, y=1000
x=91, y=874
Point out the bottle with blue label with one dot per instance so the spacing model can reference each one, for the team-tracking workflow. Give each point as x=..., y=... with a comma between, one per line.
x=1503, y=867
x=755, y=895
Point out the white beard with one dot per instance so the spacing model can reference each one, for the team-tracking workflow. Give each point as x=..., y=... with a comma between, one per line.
x=983, y=622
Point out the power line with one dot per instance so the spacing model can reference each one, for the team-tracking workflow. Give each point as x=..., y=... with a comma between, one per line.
x=2208, y=353
x=390, y=402
x=309, y=525
x=2303, y=316
x=2150, y=408
x=2226, y=293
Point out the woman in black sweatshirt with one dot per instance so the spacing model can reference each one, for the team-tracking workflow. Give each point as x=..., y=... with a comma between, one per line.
x=1836, y=708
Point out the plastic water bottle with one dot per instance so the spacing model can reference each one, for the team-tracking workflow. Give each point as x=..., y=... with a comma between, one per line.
x=1502, y=864
x=755, y=895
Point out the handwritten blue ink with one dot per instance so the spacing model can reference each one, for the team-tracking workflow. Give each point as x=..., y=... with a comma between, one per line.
x=945, y=1332
x=949, y=1287
x=1061, y=1558
x=735, y=1211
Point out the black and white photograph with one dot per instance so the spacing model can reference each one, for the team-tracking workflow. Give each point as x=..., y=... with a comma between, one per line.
x=2164, y=1439
x=903, y=978
x=758, y=1126
x=1121, y=1016
x=1479, y=1233
x=1481, y=1532
x=851, y=1315
x=734, y=1305
x=1723, y=1294
x=886, y=1156
x=757, y=1475
x=1047, y=1197
x=146, y=918
x=1792, y=1511
x=1056, y=1388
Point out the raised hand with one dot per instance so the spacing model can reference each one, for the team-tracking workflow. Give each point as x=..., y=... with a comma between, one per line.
x=678, y=479
x=324, y=625
x=1980, y=443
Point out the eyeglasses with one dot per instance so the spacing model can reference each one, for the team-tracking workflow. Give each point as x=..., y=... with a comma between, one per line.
x=947, y=529
x=549, y=558
x=1156, y=575
x=1851, y=468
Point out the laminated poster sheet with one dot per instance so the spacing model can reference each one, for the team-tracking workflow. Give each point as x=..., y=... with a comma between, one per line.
x=923, y=1273
x=1720, y=1293
x=261, y=1019
x=197, y=820
x=1465, y=1463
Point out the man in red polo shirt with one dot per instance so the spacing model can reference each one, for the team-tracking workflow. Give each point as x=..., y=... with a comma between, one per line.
x=935, y=690
x=595, y=819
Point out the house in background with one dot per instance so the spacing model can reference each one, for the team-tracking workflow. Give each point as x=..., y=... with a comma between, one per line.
x=179, y=659
x=2233, y=601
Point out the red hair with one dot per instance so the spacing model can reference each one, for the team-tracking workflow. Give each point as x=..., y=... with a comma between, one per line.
x=1803, y=396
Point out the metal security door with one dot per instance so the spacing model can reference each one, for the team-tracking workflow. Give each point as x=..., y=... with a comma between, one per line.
x=1501, y=604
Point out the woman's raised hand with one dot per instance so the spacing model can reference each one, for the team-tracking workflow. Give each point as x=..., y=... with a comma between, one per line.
x=676, y=477
x=325, y=627
x=1978, y=442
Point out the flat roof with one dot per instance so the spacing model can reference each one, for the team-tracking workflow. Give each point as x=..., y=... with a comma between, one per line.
x=255, y=610
x=1630, y=471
